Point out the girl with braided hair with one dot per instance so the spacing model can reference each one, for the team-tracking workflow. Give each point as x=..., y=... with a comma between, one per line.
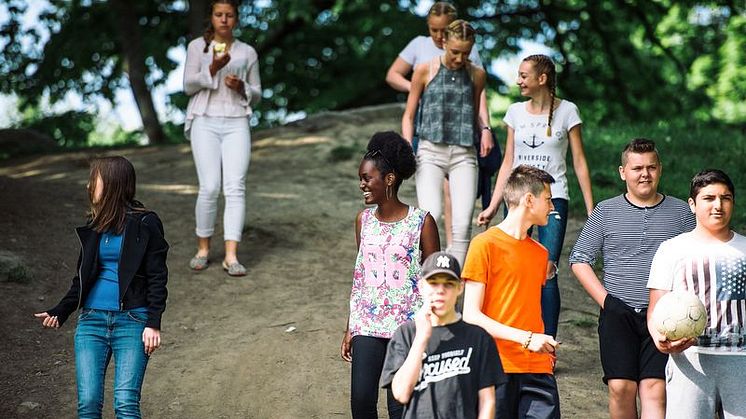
x=539, y=132
x=393, y=239
x=221, y=76
x=448, y=89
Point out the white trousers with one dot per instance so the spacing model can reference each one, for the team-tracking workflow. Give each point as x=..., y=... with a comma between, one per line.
x=222, y=149
x=434, y=163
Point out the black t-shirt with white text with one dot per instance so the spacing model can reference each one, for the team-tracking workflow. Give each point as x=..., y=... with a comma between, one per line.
x=460, y=360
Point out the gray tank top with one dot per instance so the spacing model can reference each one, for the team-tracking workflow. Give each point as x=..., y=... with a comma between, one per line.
x=448, y=108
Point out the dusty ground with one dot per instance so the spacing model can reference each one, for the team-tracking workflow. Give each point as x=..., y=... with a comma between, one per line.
x=227, y=350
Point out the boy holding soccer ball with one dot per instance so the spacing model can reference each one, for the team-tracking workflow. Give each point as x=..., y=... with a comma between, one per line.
x=707, y=374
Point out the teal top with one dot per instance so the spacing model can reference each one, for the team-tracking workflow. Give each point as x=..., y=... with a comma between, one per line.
x=105, y=292
x=448, y=108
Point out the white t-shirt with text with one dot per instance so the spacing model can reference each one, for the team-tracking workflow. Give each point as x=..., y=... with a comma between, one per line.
x=534, y=148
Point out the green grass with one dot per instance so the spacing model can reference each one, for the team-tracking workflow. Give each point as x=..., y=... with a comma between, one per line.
x=684, y=150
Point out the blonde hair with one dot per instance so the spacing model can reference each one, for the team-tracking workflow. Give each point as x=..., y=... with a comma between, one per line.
x=544, y=65
x=461, y=30
x=525, y=179
x=440, y=8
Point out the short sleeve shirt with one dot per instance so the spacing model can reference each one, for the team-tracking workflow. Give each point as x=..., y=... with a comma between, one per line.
x=513, y=272
x=716, y=273
x=460, y=360
x=534, y=148
x=422, y=49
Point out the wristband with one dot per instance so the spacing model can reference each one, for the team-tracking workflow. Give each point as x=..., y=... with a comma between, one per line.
x=528, y=340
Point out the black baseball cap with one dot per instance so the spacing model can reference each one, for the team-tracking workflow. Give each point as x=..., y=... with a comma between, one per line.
x=441, y=263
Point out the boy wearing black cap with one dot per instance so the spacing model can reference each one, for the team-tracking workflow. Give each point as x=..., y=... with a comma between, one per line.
x=438, y=365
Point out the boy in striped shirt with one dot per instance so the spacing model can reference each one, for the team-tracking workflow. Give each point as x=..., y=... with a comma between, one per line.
x=707, y=374
x=627, y=230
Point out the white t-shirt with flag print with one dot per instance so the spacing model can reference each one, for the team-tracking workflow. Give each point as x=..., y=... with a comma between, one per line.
x=716, y=273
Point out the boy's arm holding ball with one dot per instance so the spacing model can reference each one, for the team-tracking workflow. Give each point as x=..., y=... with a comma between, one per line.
x=661, y=342
x=406, y=377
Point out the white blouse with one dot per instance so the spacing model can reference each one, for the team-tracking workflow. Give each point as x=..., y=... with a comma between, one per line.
x=209, y=95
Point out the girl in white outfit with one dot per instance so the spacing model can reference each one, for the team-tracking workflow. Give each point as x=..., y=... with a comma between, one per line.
x=222, y=77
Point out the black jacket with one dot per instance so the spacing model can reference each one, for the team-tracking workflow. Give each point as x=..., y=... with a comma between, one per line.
x=142, y=269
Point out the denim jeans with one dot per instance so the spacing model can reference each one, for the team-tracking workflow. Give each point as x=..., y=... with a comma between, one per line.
x=552, y=236
x=100, y=335
x=459, y=164
x=368, y=354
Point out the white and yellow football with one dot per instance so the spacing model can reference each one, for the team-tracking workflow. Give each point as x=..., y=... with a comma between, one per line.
x=679, y=315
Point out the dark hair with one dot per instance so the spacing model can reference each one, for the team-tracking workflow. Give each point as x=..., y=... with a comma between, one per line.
x=118, y=177
x=544, y=65
x=440, y=8
x=710, y=177
x=640, y=146
x=391, y=154
x=461, y=30
x=525, y=179
x=210, y=31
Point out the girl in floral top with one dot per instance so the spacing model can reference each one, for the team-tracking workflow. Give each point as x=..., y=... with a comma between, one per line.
x=393, y=239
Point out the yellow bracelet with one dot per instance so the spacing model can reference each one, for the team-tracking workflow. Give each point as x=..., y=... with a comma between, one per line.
x=528, y=340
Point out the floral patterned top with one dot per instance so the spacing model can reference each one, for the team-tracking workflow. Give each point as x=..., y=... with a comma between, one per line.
x=384, y=284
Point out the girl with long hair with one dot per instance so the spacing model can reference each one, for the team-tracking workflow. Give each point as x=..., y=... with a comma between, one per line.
x=539, y=132
x=120, y=289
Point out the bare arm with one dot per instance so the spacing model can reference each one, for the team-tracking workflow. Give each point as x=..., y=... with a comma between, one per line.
x=346, y=347
x=506, y=167
x=406, y=377
x=483, y=119
x=473, y=298
x=487, y=403
x=580, y=164
x=396, y=77
x=413, y=100
x=429, y=239
x=590, y=282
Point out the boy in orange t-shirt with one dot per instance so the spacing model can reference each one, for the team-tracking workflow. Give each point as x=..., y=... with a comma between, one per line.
x=504, y=272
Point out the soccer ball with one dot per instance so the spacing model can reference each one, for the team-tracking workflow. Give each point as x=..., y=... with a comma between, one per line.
x=678, y=315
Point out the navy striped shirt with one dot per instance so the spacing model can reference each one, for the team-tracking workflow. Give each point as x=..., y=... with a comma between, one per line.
x=628, y=236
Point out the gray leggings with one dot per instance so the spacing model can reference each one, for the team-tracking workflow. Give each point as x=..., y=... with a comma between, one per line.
x=221, y=148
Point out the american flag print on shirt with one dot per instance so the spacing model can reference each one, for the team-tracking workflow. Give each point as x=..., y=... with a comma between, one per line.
x=720, y=283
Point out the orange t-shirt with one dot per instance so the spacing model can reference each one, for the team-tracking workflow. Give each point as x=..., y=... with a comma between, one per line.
x=513, y=272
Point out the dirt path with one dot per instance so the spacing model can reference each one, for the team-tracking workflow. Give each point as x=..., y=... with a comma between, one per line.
x=228, y=352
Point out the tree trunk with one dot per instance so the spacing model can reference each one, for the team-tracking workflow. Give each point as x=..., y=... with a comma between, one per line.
x=130, y=38
x=197, y=17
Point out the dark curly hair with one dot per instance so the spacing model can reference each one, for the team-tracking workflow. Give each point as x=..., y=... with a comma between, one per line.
x=391, y=154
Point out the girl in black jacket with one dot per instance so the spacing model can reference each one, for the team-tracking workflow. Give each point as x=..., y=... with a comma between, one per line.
x=120, y=289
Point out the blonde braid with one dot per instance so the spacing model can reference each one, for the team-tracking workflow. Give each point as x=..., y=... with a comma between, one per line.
x=544, y=65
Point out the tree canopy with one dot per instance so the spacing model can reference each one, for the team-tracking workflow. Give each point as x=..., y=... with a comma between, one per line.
x=618, y=59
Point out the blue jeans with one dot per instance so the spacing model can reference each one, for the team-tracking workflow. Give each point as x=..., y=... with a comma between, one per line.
x=552, y=236
x=100, y=335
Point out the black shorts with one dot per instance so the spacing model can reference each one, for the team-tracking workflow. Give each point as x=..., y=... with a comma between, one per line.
x=627, y=350
x=527, y=396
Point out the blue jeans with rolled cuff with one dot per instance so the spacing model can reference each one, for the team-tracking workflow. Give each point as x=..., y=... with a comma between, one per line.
x=100, y=335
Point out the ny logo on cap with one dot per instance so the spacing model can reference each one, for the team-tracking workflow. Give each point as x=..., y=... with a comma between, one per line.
x=443, y=262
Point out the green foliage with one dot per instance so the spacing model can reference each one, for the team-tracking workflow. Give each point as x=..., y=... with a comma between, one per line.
x=685, y=149
x=68, y=129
